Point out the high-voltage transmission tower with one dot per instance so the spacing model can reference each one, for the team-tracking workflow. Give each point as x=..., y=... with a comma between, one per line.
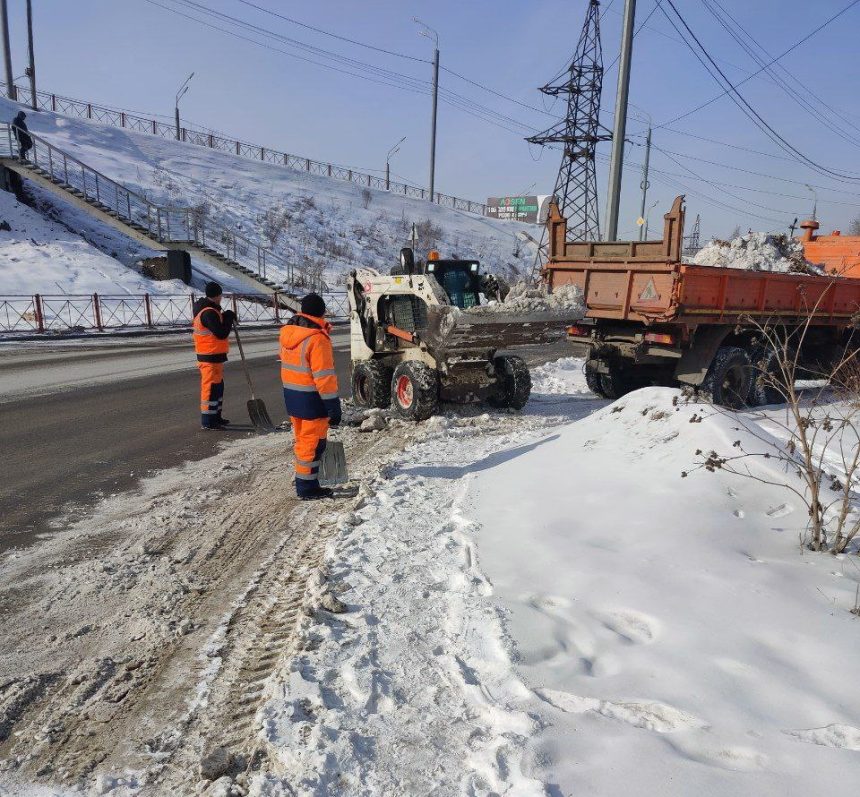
x=693, y=243
x=578, y=133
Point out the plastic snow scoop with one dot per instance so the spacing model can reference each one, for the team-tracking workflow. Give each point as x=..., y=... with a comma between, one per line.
x=333, y=468
x=256, y=408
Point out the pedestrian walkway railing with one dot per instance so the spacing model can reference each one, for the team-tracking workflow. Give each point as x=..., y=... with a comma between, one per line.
x=86, y=110
x=171, y=226
x=42, y=313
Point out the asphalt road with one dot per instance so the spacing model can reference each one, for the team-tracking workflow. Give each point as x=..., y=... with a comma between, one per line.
x=80, y=421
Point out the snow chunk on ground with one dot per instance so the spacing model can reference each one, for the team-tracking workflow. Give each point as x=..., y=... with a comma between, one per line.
x=564, y=377
x=757, y=251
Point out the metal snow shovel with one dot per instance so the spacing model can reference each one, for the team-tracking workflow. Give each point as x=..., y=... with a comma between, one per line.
x=333, y=464
x=256, y=408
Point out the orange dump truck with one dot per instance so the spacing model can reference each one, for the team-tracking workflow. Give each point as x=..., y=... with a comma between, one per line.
x=652, y=319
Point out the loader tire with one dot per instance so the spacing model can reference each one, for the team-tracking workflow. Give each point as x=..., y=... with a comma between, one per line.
x=765, y=377
x=592, y=380
x=371, y=384
x=414, y=391
x=729, y=378
x=514, y=382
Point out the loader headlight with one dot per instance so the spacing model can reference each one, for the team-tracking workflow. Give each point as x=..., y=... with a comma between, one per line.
x=431, y=267
x=474, y=268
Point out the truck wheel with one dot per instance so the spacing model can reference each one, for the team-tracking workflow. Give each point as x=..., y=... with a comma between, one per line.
x=729, y=378
x=765, y=376
x=414, y=391
x=514, y=382
x=592, y=379
x=371, y=384
x=619, y=381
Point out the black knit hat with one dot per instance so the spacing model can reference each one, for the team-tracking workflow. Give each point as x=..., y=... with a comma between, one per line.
x=213, y=289
x=314, y=305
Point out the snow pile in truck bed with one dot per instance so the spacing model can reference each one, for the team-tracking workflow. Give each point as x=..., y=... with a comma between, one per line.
x=566, y=300
x=757, y=251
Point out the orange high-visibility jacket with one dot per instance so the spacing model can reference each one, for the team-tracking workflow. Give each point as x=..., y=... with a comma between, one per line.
x=209, y=347
x=307, y=368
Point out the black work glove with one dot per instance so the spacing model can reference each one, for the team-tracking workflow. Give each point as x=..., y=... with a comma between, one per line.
x=334, y=412
x=229, y=318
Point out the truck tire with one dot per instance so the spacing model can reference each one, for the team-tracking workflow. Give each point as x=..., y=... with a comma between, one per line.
x=371, y=384
x=514, y=382
x=764, y=369
x=619, y=381
x=414, y=391
x=729, y=378
x=592, y=379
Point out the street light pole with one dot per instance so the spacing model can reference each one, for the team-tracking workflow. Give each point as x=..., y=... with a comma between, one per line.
x=429, y=33
x=7, y=52
x=647, y=215
x=617, y=160
x=31, y=69
x=645, y=185
x=179, y=95
x=391, y=152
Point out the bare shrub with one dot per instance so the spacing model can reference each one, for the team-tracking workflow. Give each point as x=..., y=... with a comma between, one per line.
x=366, y=198
x=428, y=235
x=274, y=223
x=818, y=437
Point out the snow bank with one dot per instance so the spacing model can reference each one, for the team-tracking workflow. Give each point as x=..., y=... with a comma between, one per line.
x=672, y=632
x=41, y=256
x=757, y=251
x=562, y=377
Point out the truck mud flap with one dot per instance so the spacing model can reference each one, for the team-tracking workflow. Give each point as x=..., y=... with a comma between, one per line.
x=697, y=358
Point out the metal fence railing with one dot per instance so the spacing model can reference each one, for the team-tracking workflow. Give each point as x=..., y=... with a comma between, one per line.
x=95, y=312
x=166, y=224
x=86, y=110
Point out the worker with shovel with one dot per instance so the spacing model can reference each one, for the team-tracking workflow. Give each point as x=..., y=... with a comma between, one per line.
x=310, y=391
x=212, y=327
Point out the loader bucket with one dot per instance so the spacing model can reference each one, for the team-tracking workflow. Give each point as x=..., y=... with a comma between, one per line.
x=451, y=329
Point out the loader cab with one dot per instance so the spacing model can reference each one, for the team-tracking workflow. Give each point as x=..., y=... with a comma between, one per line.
x=460, y=279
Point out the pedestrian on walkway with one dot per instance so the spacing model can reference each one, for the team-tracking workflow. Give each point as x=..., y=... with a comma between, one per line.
x=212, y=327
x=310, y=391
x=19, y=128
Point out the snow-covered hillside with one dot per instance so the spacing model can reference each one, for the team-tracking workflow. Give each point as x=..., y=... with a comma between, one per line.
x=38, y=255
x=310, y=220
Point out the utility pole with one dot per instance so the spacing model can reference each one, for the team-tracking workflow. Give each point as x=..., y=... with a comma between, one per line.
x=31, y=69
x=620, y=128
x=645, y=185
x=428, y=32
x=7, y=52
x=391, y=152
x=179, y=95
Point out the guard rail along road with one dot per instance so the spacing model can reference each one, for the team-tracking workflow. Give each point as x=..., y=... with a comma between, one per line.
x=86, y=110
x=40, y=313
x=152, y=224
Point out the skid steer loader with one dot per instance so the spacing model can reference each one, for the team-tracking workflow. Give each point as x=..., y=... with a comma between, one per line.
x=420, y=335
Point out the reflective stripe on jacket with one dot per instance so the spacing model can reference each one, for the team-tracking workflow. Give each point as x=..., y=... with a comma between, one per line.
x=307, y=367
x=209, y=347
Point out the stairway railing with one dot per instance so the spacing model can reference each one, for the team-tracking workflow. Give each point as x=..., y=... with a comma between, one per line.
x=166, y=224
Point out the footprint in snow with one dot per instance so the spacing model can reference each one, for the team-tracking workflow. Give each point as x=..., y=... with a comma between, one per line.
x=780, y=511
x=843, y=737
x=739, y=513
x=635, y=627
x=649, y=715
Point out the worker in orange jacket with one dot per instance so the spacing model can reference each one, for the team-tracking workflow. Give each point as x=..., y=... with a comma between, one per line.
x=310, y=391
x=212, y=327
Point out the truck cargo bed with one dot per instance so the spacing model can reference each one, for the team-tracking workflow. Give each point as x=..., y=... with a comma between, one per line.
x=647, y=282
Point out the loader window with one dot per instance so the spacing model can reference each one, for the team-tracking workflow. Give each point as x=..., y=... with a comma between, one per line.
x=459, y=281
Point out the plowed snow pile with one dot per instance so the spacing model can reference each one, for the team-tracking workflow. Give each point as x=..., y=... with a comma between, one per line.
x=566, y=300
x=757, y=251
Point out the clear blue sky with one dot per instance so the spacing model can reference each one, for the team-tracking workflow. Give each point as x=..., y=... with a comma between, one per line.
x=134, y=54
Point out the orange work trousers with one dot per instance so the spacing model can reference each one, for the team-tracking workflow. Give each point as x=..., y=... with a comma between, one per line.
x=308, y=446
x=211, y=393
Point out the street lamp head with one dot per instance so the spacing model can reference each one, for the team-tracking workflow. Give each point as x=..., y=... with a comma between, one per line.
x=427, y=31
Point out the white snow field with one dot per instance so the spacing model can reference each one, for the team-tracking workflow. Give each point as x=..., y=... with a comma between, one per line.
x=308, y=219
x=542, y=605
x=39, y=255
